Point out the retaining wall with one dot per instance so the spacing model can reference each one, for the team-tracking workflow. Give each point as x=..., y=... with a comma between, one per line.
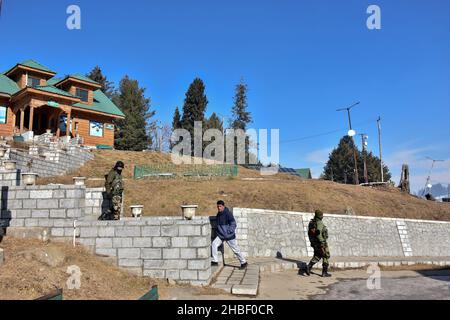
x=263, y=233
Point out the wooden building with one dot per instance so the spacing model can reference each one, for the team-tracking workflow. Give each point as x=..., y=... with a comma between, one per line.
x=33, y=99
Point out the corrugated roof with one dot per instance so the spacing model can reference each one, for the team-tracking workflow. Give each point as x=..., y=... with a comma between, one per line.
x=101, y=104
x=53, y=81
x=7, y=85
x=83, y=78
x=304, y=173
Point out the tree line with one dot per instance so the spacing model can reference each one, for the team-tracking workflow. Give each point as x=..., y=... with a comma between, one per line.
x=137, y=130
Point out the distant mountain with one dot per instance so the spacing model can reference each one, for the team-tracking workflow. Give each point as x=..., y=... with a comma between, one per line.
x=437, y=190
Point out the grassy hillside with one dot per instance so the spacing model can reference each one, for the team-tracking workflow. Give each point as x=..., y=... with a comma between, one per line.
x=249, y=189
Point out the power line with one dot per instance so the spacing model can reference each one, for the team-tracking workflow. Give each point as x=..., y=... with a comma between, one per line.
x=324, y=133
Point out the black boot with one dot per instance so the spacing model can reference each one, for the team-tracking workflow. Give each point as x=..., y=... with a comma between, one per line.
x=308, y=268
x=325, y=271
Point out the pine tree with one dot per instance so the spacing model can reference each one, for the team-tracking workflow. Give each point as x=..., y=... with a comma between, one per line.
x=241, y=117
x=340, y=165
x=214, y=122
x=194, y=108
x=107, y=86
x=176, y=122
x=132, y=132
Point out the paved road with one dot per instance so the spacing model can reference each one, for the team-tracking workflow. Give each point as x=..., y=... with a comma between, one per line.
x=344, y=285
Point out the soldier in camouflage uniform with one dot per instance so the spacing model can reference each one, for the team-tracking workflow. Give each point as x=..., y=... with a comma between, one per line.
x=318, y=235
x=114, y=190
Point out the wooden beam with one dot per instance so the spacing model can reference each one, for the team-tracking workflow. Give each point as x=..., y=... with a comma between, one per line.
x=22, y=118
x=30, y=127
x=68, y=122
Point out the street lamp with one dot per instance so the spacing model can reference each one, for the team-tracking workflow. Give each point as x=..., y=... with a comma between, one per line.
x=351, y=134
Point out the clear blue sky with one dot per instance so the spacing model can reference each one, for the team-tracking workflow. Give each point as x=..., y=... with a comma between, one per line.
x=300, y=59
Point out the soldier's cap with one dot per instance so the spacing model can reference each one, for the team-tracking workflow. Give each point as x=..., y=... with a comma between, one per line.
x=119, y=164
x=318, y=213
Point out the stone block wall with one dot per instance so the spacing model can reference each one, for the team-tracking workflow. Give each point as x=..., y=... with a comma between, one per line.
x=30, y=206
x=50, y=162
x=263, y=233
x=96, y=202
x=10, y=178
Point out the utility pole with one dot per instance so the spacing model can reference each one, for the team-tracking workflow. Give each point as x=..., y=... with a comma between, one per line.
x=427, y=184
x=364, y=143
x=379, y=144
x=351, y=133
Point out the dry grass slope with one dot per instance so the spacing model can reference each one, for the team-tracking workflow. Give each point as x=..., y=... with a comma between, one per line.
x=249, y=189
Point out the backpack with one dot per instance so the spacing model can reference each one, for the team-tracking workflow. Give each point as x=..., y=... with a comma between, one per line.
x=108, y=185
x=312, y=231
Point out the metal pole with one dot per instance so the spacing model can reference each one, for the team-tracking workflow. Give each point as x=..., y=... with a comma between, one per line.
x=379, y=143
x=366, y=178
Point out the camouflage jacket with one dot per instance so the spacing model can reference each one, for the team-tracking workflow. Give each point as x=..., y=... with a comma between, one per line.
x=317, y=232
x=114, y=183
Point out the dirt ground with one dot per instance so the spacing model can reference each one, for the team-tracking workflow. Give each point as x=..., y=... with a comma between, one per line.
x=250, y=190
x=22, y=278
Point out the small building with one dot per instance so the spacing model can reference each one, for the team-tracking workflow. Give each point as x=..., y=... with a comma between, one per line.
x=304, y=173
x=33, y=100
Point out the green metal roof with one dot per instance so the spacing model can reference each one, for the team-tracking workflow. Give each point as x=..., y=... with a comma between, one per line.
x=101, y=104
x=304, y=173
x=53, y=81
x=35, y=65
x=83, y=78
x=54, y=90
x=7, y=85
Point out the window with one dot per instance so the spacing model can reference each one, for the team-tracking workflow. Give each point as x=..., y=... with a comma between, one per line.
x=95, y=129
x=82, y=94
x=3, y=112
x=33, y=82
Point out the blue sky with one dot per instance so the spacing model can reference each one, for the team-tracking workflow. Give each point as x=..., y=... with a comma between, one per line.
x=301, y=60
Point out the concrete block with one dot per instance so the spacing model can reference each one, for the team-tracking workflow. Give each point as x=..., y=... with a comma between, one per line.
x=199, y=264
x=180, y=242
x=45, y=222
x=67, y=203
x=188, y=275
x=128, y=231
x=14, y=204
x=248, y=290
x=22, y=194
x=122, y=242
x=161, y=242
x=41, y=194
x=31, y=222
x=130, y=263
x=57, y=213
x=142, y=242
x=88, y=232
x=103, y=243
x=106, y=231
x=186, y=230
x=159, y=274
x=151, y=253
x=169, y=231
x=198, y=242
x=75, y=193
x=47, y=204
x=204, y=274
x=40, y=213
x=151, y=231
x=86, y=241
x=74, y=213
x=188, y=253
x=173, y=274
x=59, y=194
x=106, y=252
x=62, y=222
x=153, y=264
x=57, y=232
x=173, y=253
x=23, y=213
x=17, y=223
x=129, y=253
x=203, y=252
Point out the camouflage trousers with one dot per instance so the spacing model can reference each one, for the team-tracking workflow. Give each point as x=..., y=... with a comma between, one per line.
x=321, y=252
x=116, y=205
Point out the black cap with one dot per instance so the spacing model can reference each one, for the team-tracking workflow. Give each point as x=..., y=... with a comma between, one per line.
x=119, y=164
